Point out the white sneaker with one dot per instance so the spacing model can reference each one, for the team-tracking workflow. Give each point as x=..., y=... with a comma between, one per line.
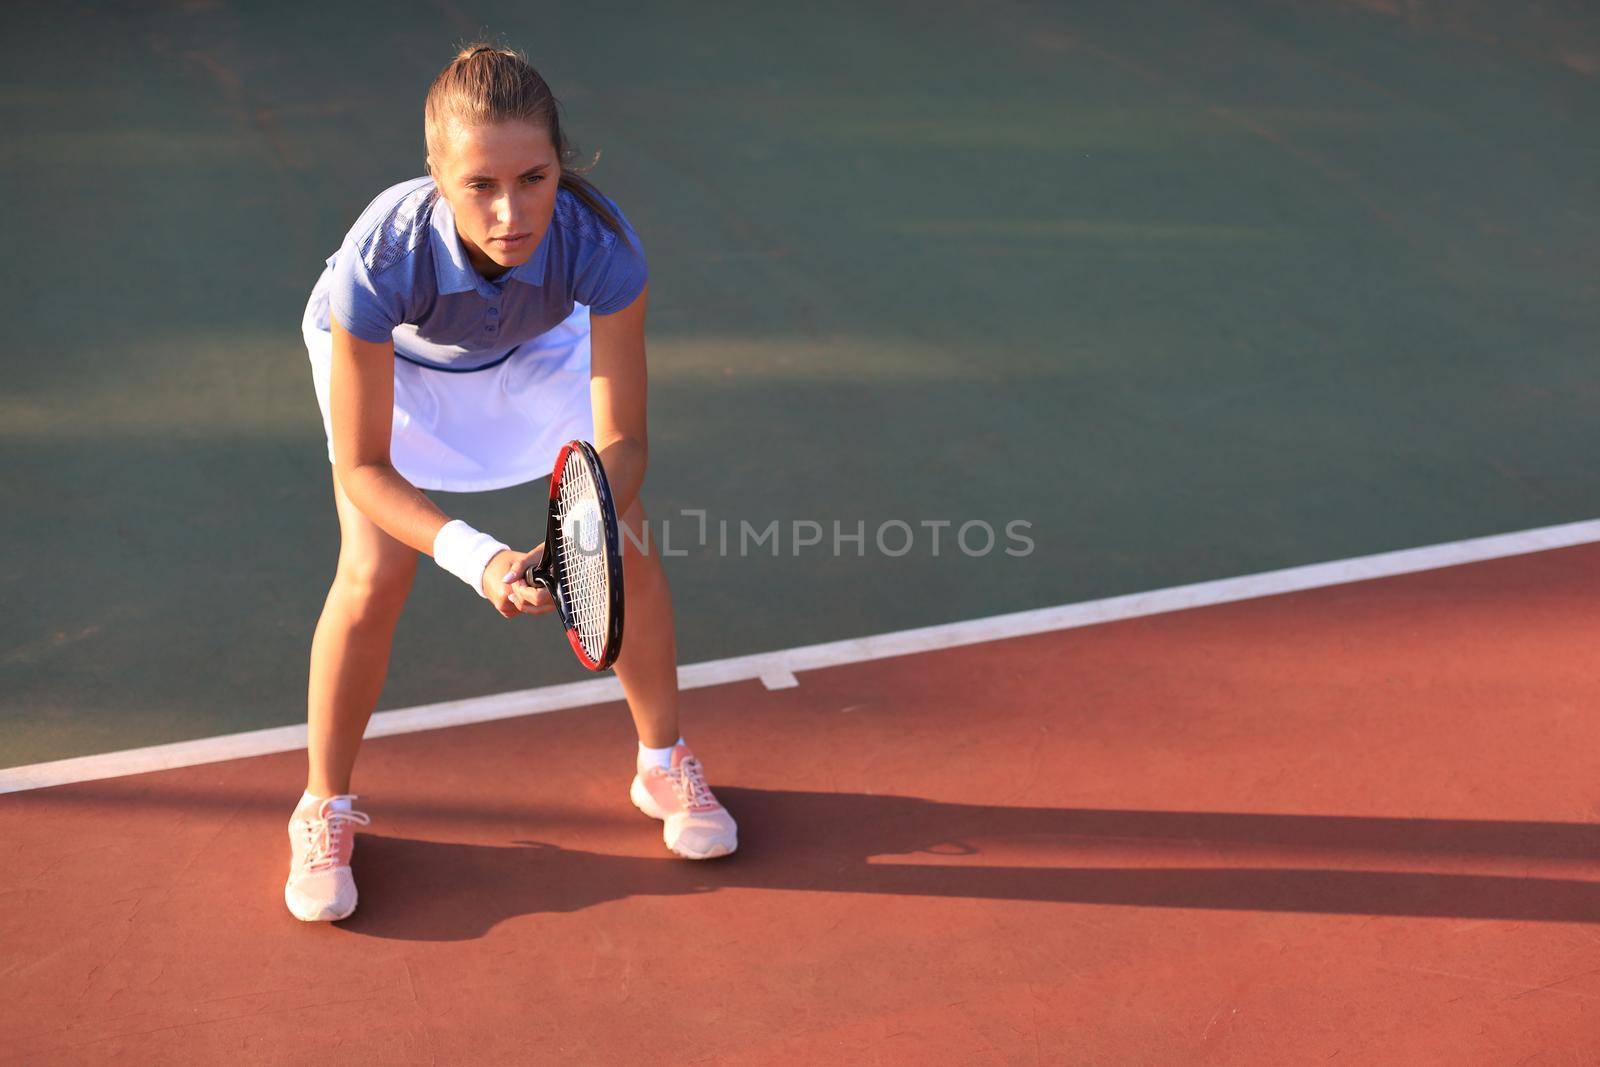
x=322, y=838
x=696, y=825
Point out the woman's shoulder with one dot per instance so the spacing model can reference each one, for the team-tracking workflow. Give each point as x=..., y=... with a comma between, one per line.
x=393, y=226
x=602, y=256
x=580, y=219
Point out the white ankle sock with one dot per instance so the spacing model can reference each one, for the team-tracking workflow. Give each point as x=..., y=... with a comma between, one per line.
x=311, y=800
x=657, y=757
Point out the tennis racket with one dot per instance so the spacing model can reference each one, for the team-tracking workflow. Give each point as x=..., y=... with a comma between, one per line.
x=582, y=563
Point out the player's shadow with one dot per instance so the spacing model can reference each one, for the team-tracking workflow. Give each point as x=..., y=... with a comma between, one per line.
x=851, y=843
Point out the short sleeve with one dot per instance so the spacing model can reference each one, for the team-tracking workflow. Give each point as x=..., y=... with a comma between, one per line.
x=611, y=276
x=364, y=308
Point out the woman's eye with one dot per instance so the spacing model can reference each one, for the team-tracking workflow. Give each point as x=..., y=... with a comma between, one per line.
x=535, y=179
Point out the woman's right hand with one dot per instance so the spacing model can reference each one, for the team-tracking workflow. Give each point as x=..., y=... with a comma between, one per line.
x=507, y=588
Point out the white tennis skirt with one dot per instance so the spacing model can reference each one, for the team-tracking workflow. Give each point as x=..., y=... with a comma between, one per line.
x=477, y=430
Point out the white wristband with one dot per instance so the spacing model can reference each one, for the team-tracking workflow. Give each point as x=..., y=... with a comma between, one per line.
x=465, y=552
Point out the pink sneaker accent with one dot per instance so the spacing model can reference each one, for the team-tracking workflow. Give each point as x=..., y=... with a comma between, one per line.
x=321, y=887
x=697, y=826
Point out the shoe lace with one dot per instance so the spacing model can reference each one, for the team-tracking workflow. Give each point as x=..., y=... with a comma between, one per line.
x=689, y=781
x=325, y=834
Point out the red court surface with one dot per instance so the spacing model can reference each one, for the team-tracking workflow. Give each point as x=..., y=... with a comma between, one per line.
x=1356, y=824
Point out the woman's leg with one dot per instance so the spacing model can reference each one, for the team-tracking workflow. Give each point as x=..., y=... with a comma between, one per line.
x=695, y=825
x=350, y=652
x=648, y=665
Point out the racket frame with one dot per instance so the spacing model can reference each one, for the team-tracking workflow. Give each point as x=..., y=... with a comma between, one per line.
x=543, y=573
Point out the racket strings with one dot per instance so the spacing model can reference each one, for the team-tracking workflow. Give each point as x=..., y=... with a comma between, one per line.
x=582, y=568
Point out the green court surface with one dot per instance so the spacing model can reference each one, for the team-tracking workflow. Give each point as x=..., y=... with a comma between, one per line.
x=1195, y=290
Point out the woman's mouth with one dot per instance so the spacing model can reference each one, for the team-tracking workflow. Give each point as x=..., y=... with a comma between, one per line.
x=510, y=240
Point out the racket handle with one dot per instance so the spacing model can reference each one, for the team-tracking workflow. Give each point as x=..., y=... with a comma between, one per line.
x=545, y=582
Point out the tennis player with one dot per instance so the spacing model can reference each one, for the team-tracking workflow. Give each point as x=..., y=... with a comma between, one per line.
x=472, y=322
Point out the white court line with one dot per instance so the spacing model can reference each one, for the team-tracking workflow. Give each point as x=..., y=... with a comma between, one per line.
x=779, y=679
x=777, y=669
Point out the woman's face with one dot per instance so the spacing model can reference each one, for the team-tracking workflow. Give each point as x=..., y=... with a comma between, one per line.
x=500, y=181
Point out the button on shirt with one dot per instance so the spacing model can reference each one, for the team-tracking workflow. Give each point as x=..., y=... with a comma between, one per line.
x=401, y=273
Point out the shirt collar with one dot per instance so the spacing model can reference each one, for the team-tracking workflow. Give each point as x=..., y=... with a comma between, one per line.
x=532, y=272
x=452, y=269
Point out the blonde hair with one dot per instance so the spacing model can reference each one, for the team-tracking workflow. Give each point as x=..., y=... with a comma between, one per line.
x=486, y=84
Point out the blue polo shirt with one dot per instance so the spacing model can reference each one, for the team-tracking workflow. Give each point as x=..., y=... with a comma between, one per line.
x=402, y=274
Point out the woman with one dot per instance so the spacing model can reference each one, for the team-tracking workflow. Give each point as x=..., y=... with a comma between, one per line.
x=471, y=322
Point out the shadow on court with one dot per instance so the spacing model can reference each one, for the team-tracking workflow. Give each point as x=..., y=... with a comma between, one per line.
x=835, y=843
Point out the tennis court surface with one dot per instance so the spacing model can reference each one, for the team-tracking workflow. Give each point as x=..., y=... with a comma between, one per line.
x=1197, y=290
x=1355, y=822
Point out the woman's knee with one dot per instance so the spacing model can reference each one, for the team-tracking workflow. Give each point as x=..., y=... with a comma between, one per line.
x=375, y=584
x=635, y=535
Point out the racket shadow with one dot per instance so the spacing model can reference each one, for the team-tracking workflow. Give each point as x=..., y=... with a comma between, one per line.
x=422, y=890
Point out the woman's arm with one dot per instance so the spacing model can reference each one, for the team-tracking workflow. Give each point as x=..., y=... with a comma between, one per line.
x=618, y=386
x=361, y=406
